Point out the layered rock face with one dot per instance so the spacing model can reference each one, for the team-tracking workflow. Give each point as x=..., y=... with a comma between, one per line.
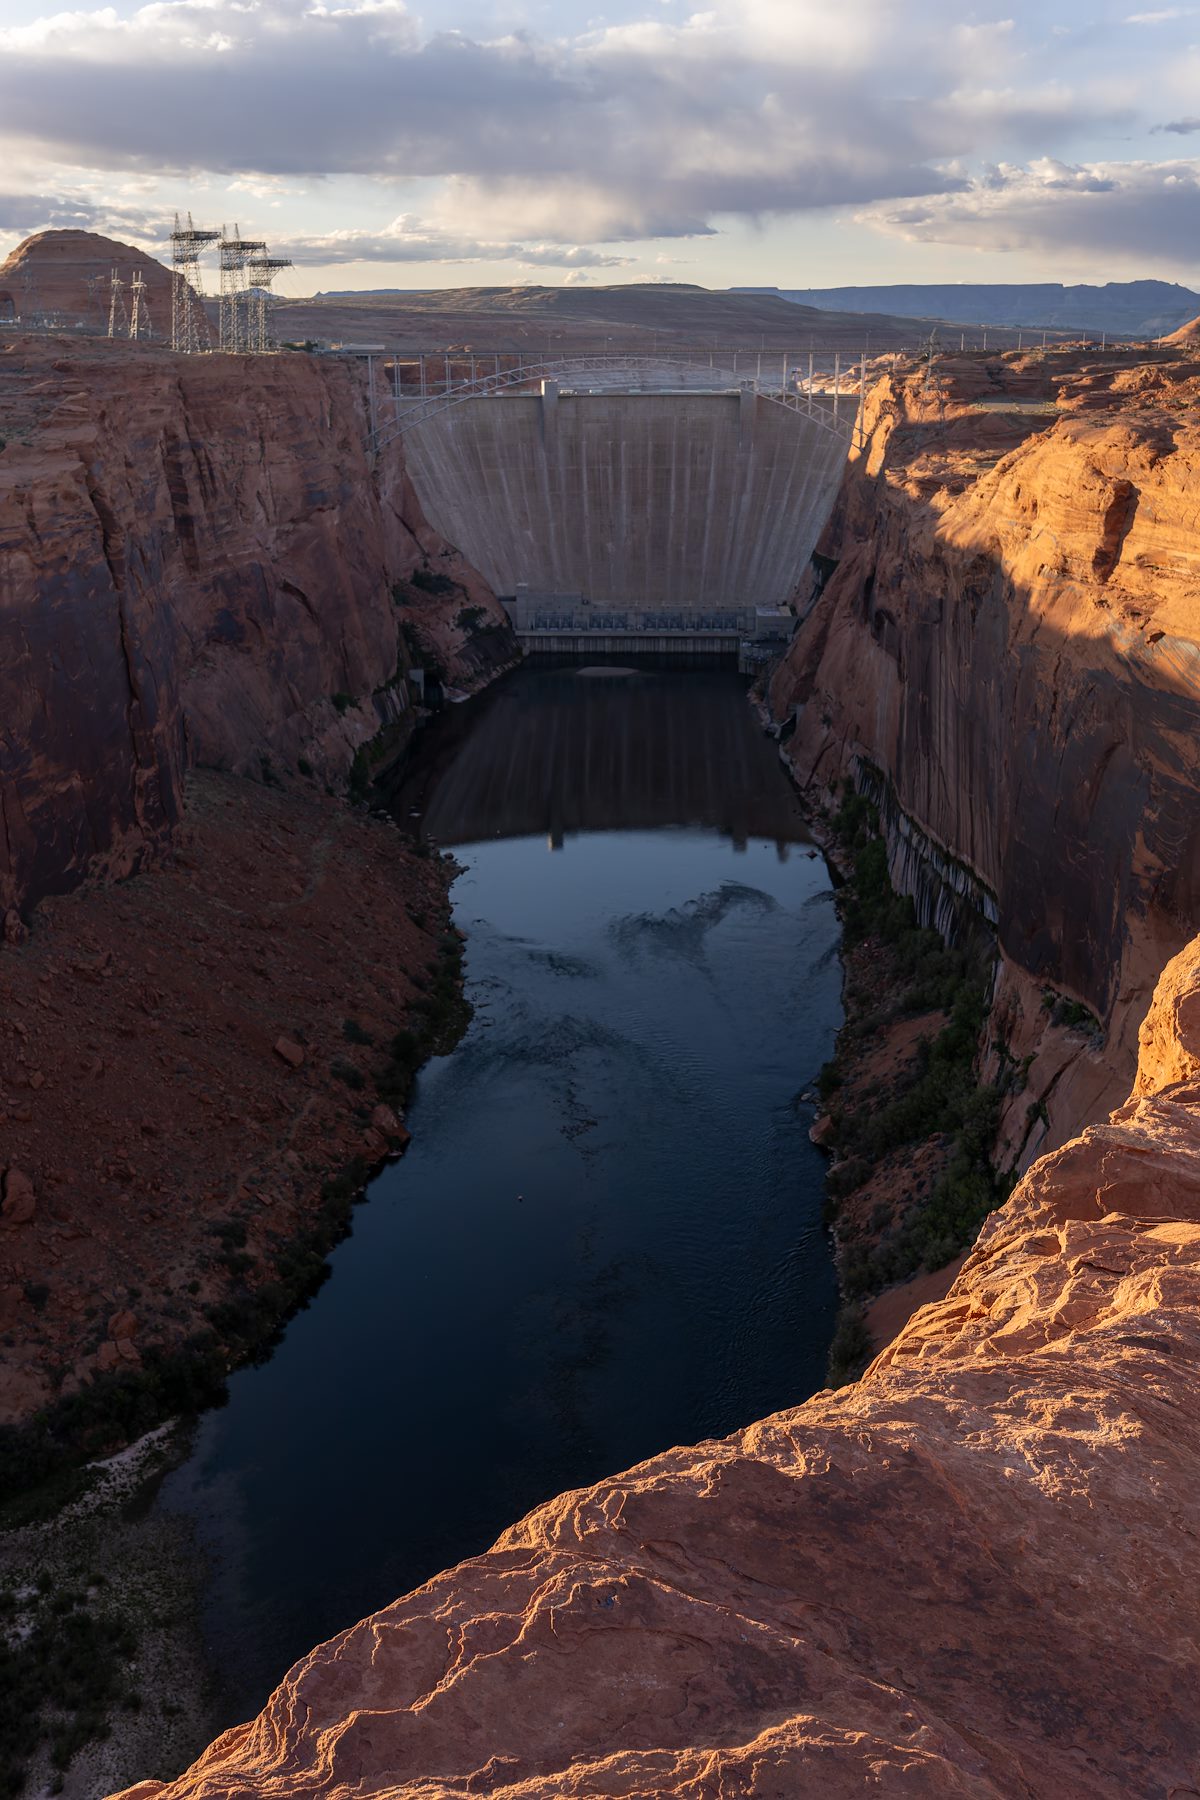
x=1002, y=644
x=971, y=1574
x=197, y=562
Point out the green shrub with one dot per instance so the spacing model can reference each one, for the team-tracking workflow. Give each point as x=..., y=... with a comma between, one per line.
x=829, y=1080
x=942, y=1097
x=61, y=1671
x=429, y=582
x=1073, y=1015
x=851, y=1348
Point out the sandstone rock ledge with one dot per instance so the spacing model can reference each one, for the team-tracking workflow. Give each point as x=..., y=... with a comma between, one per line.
x=974, y=1573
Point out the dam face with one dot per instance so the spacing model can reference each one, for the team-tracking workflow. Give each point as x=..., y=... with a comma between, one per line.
x=693, y=503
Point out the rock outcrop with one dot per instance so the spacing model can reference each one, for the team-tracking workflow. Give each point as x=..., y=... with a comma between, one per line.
x=1001, y=642
x=64, y=278
x=973, y=1573
x=197, y=565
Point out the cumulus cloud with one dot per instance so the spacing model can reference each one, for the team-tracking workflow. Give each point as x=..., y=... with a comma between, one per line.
x=533, y=149
x=409, y=240
x=32, y=212
x=650, y=128
x=1148, y=210
x=22, y=213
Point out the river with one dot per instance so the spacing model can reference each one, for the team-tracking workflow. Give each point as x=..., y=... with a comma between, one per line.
x=605, y=1237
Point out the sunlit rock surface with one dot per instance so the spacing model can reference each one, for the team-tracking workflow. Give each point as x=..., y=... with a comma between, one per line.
x=1003, y=637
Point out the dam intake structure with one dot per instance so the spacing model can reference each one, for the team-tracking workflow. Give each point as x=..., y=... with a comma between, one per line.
x=632, y=503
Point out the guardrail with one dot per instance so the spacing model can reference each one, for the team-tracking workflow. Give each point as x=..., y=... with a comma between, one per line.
x=794, y=389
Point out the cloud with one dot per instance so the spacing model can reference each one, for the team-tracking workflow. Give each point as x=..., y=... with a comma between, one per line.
x=1139, y=210
x=67, y=210
x=33, y=212
x=534, y=148
x=1181, y=127
x=409, y=240
x=646, y=129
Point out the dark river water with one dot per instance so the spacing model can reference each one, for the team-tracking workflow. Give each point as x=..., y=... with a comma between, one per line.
x=605, y=1237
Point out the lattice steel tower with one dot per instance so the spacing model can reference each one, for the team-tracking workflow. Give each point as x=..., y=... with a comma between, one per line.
x=117, y=315
x=139, y=316
x=262, y=271
x=187, y=313
x=236, y=252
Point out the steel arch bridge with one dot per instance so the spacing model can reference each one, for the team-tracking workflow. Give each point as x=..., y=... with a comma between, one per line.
x=393, y=414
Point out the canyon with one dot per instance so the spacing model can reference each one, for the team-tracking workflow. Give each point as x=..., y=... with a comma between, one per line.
x=971, y=1571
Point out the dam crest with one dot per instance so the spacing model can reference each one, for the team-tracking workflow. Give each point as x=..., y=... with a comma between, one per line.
x=624, y=504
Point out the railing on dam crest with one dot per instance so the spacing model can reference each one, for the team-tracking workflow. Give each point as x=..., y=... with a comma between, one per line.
x=820, y=397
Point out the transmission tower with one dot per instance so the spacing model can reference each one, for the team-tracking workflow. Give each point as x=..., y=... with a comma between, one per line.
x=187, y=313
x=94, y=299
x=139, y=318
x=116, y=306
x=236, y=252
x=262, y=271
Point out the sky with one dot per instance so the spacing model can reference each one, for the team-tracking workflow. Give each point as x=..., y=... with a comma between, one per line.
x=790, y=143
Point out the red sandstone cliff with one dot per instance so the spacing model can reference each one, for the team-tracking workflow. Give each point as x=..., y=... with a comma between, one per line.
x=199, y=565
x=1009, y=633
x=197, y=562
x=973, y=1573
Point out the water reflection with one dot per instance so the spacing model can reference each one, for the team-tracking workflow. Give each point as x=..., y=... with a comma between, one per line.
x=556, y=751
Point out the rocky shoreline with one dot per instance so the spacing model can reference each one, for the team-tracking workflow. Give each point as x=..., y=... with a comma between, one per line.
x=199, y=1067
x=246, y=1016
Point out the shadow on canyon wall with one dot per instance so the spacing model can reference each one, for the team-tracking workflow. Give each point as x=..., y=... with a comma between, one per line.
x=1043, y=732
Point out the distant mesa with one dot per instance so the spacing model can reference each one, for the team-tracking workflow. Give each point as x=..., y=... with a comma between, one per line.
x=623, y=316
x=1129, y=309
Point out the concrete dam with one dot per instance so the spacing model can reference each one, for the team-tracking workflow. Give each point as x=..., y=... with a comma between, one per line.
x=682, y=517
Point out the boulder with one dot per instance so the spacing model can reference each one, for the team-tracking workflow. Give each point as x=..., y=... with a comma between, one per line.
x=389, y=1125
x=20, y=1200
